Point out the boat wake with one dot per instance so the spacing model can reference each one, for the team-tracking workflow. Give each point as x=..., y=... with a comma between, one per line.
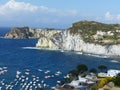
x=99, y=56
x=39, y=48
x=115, y=61
x=30, y=48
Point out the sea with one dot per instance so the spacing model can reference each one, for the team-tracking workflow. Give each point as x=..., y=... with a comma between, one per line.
x=23, y=67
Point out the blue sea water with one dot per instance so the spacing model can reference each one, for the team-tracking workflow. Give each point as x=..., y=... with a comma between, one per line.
x=16, y=58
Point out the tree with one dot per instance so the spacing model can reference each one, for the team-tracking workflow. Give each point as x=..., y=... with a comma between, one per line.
x=73, y=75
x=117, y=80
x=82, y=68
x=102, y=67
x=73, y=72
x=93, y=70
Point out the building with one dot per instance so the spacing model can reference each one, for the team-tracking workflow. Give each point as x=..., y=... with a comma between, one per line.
x=102, y=75
x=112, y=73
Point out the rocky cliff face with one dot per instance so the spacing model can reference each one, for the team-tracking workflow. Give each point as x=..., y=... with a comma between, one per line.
x=86, y=36
x=66, y=40
x=26, y=32
x=46, y=39
x=21, y=32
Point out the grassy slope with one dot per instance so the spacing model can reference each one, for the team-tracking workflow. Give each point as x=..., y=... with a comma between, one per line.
x=87, y=29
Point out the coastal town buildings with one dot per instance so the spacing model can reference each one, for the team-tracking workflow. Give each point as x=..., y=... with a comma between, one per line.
x=110, y=73
x=83, y=83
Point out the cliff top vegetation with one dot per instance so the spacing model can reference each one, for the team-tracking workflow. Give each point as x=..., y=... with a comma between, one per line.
x=96, y=32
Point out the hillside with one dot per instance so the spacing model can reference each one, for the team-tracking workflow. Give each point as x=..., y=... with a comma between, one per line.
x=84, y=36
x=98, y=33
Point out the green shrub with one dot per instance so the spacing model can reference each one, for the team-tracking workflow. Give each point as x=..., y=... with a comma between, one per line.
x=117, y=80
x=89, y=28
x=93, y=70
x=101, y=83
x=106, y=89
x=102, y=67
x=82, y=68
x=73, y=72
x=104, y=81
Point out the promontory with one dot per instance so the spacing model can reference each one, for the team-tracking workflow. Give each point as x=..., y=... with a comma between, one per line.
x=84, y=36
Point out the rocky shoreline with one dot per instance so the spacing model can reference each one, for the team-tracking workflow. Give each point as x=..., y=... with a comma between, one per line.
x=75, y=41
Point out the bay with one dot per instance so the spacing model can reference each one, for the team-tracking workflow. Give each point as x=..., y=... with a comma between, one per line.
x=41, y=63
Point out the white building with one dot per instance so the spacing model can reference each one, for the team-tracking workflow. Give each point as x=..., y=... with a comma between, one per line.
x=102, y=74
x=112, y=73
x=100, y=33
x=80, y=82
x=110, y=33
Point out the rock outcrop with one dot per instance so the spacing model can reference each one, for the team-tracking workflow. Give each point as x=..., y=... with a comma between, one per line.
x=46, y=39
x=20, y=32
x=85, y=36
x=66, y=40
x=26, y=32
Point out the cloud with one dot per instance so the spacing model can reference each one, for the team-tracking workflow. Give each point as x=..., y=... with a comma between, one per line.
x=108, y=16
x=112, y=17
x=14, y=12
x=13, y=6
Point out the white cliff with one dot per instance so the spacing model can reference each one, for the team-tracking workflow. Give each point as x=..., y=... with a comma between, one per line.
x=66, y=41
x=44, y=42
x=85, y=36
x=45, y=39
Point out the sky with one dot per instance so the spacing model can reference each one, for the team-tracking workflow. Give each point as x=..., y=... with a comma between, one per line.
x=57, y=13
